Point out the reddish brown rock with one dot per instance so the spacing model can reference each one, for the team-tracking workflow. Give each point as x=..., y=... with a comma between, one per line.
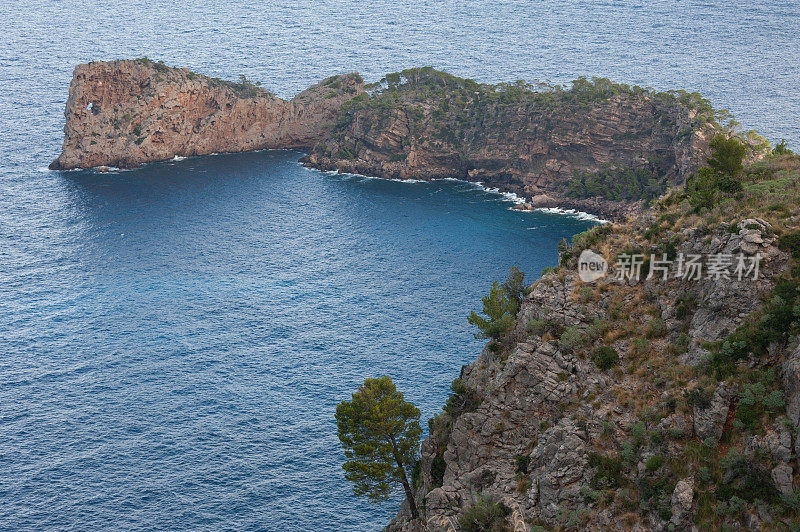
x=126, y=113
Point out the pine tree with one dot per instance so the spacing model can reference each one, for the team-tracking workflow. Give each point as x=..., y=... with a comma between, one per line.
x=514, y=286
x=380, y=433
x=499, y=310
x=727, y=156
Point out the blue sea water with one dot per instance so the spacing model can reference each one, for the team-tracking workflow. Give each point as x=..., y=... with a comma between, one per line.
x=174, y=339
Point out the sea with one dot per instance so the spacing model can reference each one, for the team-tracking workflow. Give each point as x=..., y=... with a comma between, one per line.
x=174, y=339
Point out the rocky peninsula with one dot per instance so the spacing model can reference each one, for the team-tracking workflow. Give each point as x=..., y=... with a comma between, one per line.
x=127, y=113
x=597, y=146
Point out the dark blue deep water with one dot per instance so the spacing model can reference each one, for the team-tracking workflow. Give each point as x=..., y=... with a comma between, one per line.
x=174, y=340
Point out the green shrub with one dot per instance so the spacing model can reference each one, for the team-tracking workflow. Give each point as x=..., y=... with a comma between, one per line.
x=698, y=397
x=605, y=357
x=486, y=515
x=523, y=461
x=609, y=471
x=655, y=495
x=499, y=310
x=572, y=338
x=681, y=345
x=639, y=432
x=438, y=465
x=774, y=402
x=685, y=307
x=654, y=463
x=702, y=190
x=781, y=148
x=537, y=327
x=727, y=156
x=790, y=243
x=775, y=322
x=461, y=400
x=656, y=328
x=640, y=346
x=745, y=478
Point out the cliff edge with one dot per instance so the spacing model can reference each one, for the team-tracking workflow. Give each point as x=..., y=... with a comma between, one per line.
x=126, y=113
x=662, y=402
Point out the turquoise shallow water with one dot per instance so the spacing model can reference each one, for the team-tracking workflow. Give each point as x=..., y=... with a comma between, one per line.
x=175, y=338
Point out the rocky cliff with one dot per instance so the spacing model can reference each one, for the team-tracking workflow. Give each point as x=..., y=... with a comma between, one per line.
x=126, y=113
x=652, y=404
x=598, y=145
x=539, y=141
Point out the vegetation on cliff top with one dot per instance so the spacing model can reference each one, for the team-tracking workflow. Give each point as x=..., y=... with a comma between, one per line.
x=459, y=101
x=244, y=88
x=636, y=465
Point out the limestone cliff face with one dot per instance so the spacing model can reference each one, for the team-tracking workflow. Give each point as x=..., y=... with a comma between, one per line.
x=663, y=403
x=536, y=141
x=126, y=113
x=425, y=124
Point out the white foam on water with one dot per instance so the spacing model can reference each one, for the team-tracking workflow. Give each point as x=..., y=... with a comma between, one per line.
x=573, y=213
x=505, y=196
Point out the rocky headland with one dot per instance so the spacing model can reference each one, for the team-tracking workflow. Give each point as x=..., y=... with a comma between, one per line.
x=127, y=113
x=596, y=146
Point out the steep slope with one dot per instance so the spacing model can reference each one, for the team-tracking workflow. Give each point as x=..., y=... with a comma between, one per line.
x=126, y=113
x=644, y=405
x=534, y=140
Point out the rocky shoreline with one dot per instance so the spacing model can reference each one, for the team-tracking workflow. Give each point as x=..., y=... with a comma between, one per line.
x=604, y=209
x=419, y=124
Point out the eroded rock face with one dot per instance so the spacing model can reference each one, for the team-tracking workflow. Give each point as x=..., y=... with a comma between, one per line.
x=550, y=427
x=708, y=422
x=433, y=125
x=126, y=113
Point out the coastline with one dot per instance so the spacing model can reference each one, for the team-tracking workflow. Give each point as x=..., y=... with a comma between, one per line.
x=564, y=206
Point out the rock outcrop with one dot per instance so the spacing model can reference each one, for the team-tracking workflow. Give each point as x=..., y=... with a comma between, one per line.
x=694, y=425
x=530, y=140
x=541, y=142
x=126, y=113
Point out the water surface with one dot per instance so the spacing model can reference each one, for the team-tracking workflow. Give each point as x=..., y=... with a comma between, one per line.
x=175, y=339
